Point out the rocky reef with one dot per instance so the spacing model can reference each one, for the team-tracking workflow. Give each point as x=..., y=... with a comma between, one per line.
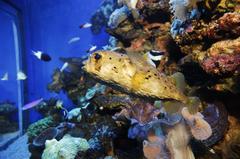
x=7, y=109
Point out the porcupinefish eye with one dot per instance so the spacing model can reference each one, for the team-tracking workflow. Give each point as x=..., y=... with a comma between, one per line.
x=97, y=56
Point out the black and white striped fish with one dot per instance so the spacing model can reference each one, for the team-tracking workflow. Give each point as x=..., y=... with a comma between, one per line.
x=154, y=57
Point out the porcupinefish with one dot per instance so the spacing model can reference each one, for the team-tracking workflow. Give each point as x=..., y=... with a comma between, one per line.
x=132, y=75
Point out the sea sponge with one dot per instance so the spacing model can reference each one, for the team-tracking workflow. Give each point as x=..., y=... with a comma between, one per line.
x=66, y=148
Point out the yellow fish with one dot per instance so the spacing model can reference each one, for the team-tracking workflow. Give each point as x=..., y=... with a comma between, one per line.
x=132, y=75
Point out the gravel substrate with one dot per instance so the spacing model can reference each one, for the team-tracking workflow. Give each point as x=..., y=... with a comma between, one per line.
x=17, y=150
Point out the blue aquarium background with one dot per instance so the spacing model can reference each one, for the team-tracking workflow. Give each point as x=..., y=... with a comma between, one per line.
x=47, y=26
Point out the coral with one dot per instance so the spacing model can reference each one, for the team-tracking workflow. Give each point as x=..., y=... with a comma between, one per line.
x=199, y=39
x=100, y=131
x=152, y=7
x=117, y=17
x=144, y=116
x=183, y=11
x=57, y=83
x=73, y=81
x=168, y=140
x=75, y=113
x=137, y=131
x=178, y=142
x=155, y=147
x=91, y=92
x=51, y=133
x=225, y=27
x=36, y=128
x=220, y=7
x=111, y=101
x=217, y=117
x=229, y=147
x=179, y=9
x=52, y=107
x=46, y=107
x=100, y=18
x=66, y=148
x=222, y=58
x=200, y=129
x=47, y=134
x=98, y=88
x=126, y=32
x=139, y=112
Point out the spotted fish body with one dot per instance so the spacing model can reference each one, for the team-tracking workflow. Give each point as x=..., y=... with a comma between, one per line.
x=119, y=70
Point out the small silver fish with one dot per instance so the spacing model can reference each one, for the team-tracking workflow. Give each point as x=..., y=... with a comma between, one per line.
x=21, y=76
x=92, y=48
x=154, y=57
x=73, y=40
x=5, y=77
x=32, y=104
x=86, y=25
x=42, y=56
x=65, y=65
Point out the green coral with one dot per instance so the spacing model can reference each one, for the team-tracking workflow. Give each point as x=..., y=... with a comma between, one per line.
x=36, y=128
x=66, y=148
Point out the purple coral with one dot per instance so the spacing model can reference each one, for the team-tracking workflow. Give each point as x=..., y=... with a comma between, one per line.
x=221, y=63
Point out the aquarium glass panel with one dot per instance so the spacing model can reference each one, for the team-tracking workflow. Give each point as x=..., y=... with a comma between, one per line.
x=10, y=86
